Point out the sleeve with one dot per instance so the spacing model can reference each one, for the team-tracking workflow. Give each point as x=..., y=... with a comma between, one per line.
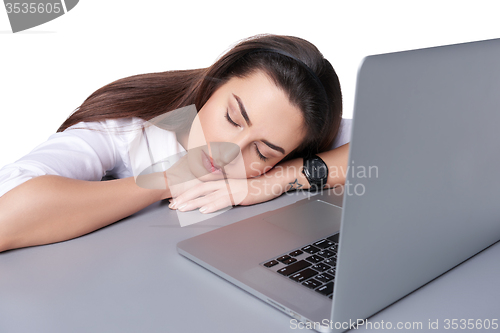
x=344, y=135
x=83, y=151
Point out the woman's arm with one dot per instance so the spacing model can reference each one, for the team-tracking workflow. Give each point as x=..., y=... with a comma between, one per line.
x=212, y=196
x=49, y=209
x=289, y=174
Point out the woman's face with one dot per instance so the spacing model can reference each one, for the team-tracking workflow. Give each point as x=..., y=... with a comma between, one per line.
x=247, y=126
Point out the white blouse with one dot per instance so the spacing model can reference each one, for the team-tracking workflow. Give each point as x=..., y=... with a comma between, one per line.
x=92, y=150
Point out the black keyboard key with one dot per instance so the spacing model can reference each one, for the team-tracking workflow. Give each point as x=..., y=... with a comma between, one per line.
x=271, y=263
x=289, y=261
x=326, y=290
x=334, y=238
x=311, y=283
x=331, y=271
x=331, y=261
x=310, y=249
x=324, y=243
x=314, y=259
x=303, y=275
x=283, y=258
x=296, y=253
x=321, y=267
x=299, y=265
x=324, y=277
x=326, y=253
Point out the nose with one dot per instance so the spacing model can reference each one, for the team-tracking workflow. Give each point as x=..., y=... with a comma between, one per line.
x=224, y=153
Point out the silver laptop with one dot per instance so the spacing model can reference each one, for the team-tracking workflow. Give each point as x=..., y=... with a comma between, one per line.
x=421, y=195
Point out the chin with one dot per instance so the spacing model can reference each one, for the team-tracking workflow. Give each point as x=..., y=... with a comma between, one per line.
x=198, y=166
x=203, y=169
x=210, y=177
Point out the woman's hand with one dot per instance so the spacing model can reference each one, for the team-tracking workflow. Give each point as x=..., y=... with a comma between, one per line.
x=215, y=195
x=211, y=196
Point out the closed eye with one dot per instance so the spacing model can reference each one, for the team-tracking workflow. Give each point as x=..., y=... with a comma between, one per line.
x=259, y=154
x=230, y=120
x=262, y=157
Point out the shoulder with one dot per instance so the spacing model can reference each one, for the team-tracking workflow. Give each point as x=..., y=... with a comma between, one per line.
x=344, y=134
x=120, y=125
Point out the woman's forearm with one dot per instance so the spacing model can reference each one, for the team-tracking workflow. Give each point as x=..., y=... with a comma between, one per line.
x=50, y=209
x=289, y=174
x=214, y=195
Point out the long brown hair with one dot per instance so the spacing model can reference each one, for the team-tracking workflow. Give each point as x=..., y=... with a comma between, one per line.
x=294, y=64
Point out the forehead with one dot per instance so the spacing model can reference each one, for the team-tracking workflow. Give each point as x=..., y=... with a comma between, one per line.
x=271, y=113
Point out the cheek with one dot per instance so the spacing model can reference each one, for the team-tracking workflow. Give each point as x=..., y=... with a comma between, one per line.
x=254, y=169
x=196, y=134
x=212, y=125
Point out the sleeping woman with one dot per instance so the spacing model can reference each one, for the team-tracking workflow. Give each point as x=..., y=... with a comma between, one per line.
x=268, y=116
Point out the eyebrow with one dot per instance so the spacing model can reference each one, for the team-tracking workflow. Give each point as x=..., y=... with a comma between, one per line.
x=245, y=116
x=270, y=145
x=242, y=110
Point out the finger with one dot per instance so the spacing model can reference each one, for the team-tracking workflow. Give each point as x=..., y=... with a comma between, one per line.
x=200, y=201
x=231, y=199
x=177, y=190
x=191, y=193
x=195, y=192
x=216, y=205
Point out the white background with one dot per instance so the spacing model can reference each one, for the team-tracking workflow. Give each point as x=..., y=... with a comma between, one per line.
x=46, y=72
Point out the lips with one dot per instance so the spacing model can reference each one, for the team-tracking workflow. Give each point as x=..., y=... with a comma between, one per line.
x=209, y=164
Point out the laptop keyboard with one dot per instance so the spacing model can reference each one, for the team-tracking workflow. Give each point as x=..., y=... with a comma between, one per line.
x=313, y=266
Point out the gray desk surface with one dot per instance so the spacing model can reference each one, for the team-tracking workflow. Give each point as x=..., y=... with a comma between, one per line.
x=128, y=277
